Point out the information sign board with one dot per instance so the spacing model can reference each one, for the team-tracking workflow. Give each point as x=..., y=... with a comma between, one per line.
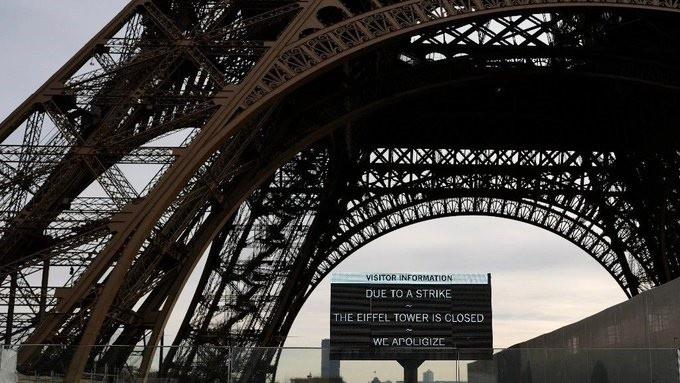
x=410, y=316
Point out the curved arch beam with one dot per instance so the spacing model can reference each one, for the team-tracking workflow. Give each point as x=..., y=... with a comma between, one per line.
x=587, y=245
x=530, y=212
x=251, y=98
x=313, y=54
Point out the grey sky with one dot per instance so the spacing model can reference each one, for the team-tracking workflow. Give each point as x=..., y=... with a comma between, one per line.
x=540, y=281
x=38, y=36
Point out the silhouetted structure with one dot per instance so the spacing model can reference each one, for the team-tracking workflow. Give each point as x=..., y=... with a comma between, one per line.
x=428, y=376
x=632, y=342
x=283, y=135
x=329, y=368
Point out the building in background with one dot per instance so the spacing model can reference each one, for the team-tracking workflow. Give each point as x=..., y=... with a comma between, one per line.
x=428, y=376
x=316, y=379
x=329, y=368
x=8, y=365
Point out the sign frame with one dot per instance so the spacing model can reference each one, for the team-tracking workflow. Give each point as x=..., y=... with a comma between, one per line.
x=401, y=316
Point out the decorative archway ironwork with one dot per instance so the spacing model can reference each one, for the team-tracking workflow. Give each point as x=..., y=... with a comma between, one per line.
x=297, y=132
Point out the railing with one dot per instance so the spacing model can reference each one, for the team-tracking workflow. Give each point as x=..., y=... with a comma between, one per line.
x=301, y=365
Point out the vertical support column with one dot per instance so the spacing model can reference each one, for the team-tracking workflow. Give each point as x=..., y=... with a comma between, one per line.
x=663, y=210
x=43, y=287
x=160, y=355
x=410, y=370
x=9, y=324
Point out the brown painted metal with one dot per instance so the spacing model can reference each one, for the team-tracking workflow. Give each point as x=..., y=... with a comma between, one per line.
x=275, y=93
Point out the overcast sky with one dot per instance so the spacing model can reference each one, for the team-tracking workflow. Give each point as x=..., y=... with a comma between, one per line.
x=540, y=281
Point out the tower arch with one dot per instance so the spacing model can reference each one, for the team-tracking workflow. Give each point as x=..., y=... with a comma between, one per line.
x=262, y=181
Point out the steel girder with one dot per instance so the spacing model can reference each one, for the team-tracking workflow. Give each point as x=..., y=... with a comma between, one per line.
x=567, y=204
x=242, y=176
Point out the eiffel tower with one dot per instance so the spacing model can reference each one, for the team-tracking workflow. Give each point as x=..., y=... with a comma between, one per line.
x=273, y=138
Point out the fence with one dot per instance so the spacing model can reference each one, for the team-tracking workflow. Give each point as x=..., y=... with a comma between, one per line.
x=307, y=365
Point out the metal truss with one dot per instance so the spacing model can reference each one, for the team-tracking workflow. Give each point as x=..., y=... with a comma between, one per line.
x=259, y=135
x=550, y=189
x=558, y=193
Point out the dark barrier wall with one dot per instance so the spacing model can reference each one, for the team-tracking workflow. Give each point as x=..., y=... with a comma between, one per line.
x=635, y=341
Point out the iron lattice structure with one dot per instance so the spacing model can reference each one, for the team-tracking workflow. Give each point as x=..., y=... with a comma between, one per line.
x=276, y=137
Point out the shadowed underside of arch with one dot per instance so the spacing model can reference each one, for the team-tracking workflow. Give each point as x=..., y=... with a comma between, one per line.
x=316, y=127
